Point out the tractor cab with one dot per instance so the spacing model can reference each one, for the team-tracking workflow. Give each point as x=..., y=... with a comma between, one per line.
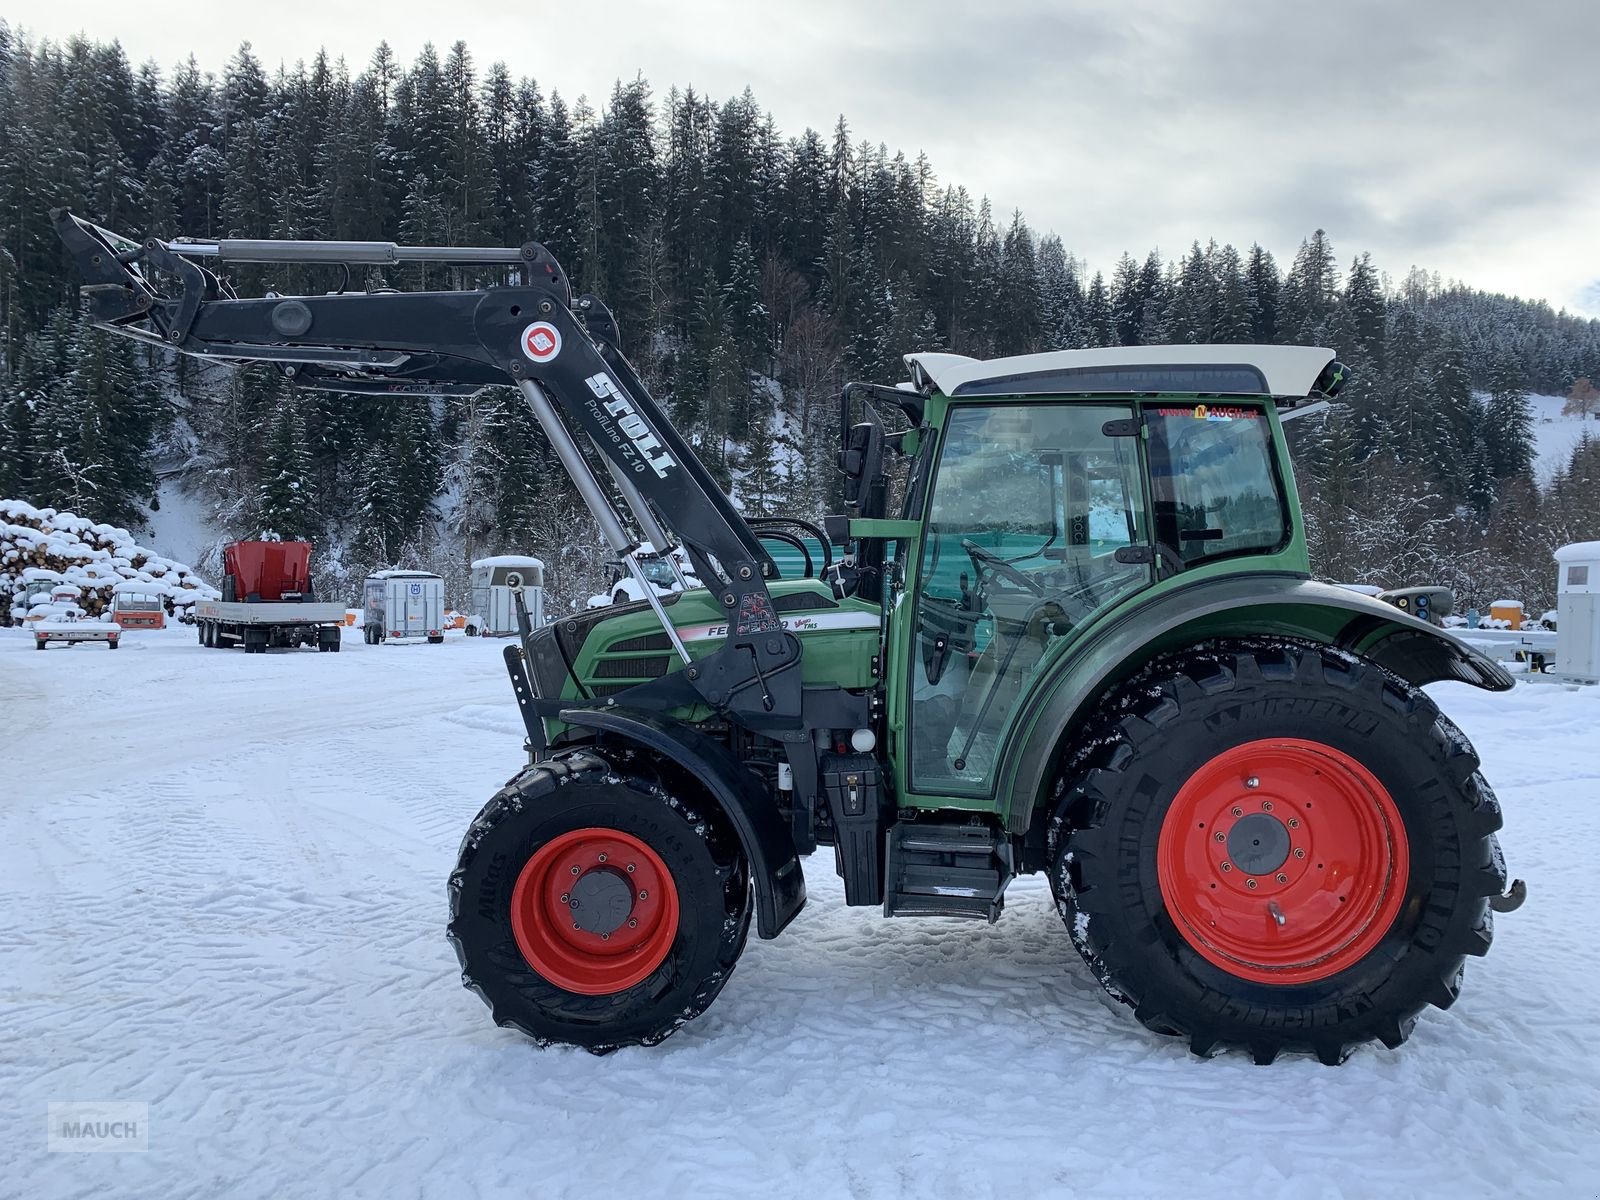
x=1045, y=493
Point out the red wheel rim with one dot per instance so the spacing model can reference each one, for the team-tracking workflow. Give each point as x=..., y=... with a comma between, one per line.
x=1283, y=861
x=594, y=911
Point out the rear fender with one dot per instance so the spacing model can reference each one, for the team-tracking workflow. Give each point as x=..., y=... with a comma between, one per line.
x=1234, y=606
x=768, y=845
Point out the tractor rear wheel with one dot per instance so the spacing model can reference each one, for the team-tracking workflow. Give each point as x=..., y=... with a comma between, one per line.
x=598, y=905
x=1276, y=846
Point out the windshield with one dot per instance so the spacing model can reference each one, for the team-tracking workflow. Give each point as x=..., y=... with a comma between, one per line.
x=1213, y=482
x=658, y=571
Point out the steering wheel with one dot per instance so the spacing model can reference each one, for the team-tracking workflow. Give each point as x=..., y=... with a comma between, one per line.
x=982, y=557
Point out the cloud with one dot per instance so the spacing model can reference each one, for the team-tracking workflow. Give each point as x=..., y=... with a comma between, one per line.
x=1453, y=134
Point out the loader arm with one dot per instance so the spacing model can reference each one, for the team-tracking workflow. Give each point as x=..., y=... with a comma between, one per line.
x=562, y=355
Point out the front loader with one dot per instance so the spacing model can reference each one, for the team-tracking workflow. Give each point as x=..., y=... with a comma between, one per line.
x=1065, y=625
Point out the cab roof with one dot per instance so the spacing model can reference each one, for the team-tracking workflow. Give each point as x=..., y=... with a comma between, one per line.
x=1291, y=371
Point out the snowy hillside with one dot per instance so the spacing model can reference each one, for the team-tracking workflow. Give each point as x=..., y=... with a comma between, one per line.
x=1556, y=435
x=242, y=924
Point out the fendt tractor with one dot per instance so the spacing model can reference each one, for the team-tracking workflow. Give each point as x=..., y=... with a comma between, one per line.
x=1065, y=625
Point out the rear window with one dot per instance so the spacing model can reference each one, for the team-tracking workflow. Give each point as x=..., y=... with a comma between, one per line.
x=1215, y=487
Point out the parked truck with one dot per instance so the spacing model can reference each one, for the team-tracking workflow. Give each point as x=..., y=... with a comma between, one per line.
x=267, y=600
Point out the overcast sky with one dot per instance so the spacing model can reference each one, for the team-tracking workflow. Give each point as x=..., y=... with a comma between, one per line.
x=1457, y=135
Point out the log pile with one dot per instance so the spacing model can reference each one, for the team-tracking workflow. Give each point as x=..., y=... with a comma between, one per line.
x=42, y=550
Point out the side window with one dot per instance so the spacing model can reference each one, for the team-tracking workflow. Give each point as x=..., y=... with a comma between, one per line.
x=1030, y=504
x=1213, y=482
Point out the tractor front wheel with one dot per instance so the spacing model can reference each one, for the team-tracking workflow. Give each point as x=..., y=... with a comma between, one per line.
x=597, y=904
x=1276, y=846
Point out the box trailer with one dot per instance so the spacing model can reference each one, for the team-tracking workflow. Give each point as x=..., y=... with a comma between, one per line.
x=267, y=600
x=398, y=605
x=493, y=613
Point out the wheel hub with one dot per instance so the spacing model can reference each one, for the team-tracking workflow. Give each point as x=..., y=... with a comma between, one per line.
x=1282, y=861
x=600, y=901
x=1258, y=844
x=595, y=911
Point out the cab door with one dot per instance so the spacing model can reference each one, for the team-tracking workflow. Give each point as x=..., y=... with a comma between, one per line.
x=1034, y=524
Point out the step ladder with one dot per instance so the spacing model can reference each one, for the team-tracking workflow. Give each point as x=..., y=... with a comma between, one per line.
x=946, y=869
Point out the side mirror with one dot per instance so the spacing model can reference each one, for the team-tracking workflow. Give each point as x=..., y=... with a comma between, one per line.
x=861, y=460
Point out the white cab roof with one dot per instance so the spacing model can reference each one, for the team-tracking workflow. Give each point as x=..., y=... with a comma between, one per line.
x=1258, y=370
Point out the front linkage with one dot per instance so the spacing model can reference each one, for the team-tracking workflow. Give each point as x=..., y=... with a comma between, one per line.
x=532, y=335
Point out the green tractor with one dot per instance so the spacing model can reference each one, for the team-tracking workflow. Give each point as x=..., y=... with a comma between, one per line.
x=1065, y=625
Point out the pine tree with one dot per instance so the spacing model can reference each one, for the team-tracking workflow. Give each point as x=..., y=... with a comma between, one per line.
x=1508, y=422
x=1061, y=302
x=1310, y=292
x=1019, y=302
x=283, y=500
x=1232, y=315
x=1361, y=315
x=1127, y=302
x=1098, y=316
x=1262, y=287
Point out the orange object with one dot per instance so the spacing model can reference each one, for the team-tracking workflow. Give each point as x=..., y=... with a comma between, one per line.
x=1507, y=610
x=138, y=610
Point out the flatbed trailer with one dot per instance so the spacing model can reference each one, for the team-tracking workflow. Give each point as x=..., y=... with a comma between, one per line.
x=256, y=625
x=45, y=632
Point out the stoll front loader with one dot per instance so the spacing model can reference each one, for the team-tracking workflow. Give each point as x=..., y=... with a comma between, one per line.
x=1070, y=629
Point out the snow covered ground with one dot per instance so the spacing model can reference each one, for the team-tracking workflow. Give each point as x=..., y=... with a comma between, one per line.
x=1555, y=436
x=223, y=894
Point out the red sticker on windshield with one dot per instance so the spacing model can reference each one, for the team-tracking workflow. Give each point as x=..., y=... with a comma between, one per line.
x=541, y=341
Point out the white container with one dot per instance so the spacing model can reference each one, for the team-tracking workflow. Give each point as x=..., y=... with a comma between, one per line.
x=403, y=604
x=1578, y=610
x=493, y=612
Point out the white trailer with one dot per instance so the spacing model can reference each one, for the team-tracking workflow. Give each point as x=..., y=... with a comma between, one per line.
x=493, y=613
x=400, y=605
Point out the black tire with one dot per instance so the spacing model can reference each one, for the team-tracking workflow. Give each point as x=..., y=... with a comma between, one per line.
x=435, y=641
x=333, y=646
x=1180, y=714
x=579, y=790
x=39, y=643
x=200, y=632
x=113, y=643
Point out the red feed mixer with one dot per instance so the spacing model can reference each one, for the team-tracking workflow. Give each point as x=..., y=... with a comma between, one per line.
x=267, y=571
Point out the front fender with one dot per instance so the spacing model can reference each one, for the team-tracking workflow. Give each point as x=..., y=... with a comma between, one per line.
x=1237, y=605
x=774, y=866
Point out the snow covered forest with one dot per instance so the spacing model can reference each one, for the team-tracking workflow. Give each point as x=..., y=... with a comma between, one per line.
x=751, y=272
